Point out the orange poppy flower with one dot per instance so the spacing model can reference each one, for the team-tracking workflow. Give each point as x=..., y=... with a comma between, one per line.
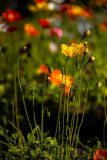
x=30, y=29
x=100, y=155
x=56, y=78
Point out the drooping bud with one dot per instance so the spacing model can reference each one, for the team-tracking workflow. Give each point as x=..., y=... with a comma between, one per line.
x=25, y=48
x=86, y=34
x=48, y=114
x=50, y=69
x=99, y=84
x=91, y=59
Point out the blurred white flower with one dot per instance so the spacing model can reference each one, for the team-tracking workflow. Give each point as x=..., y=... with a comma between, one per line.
x=53, y=47
x=51, y=6
x=3, y=27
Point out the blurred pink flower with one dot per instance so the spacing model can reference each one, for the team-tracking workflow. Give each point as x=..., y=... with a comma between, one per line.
x=56, y=32
x=39, y=1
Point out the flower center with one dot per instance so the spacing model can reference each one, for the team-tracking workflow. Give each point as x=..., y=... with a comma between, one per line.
x=10, y=16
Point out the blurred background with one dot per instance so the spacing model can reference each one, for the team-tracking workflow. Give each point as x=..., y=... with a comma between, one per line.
x=38, y=43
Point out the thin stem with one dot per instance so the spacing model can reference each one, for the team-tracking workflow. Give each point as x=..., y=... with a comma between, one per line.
x=13, y=108
x=64, y=103
x=23, y=98
x=34, y=108
x=17, y=121
x=83, y=108
x=42, y=112
x=59, y=109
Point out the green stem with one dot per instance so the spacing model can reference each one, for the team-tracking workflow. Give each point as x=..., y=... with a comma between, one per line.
x=17, y=121
x=64, y=104
x=78, y=96
x=42, y=112
x=59, y=110
x=34, y=108
x=23, y=98
x=83, y=109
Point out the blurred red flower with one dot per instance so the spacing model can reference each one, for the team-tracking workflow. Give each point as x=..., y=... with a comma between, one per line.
x=56, y=32
x=11, y=15
x=100, y=155
x=65, y=7
x=29, y=29
x=41, y=70
x=44, y=23
x=86, y=13
x=39, y=1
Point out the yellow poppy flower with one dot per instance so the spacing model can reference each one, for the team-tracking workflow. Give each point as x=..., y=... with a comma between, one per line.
x=73, y=50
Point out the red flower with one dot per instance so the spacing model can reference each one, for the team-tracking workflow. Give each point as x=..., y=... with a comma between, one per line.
x=30, y=30
x=65, y=7
x=100, y=155
x=44, y=23
x=39, y=1
x=41, y=70
x=12, y=28
x=11, y=15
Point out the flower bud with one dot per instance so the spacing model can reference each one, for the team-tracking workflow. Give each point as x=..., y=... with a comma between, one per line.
x=86, y=34
x=50, y=69
x=99, y=84
x=91, y=59
x=48, y=114
x=25, y=48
